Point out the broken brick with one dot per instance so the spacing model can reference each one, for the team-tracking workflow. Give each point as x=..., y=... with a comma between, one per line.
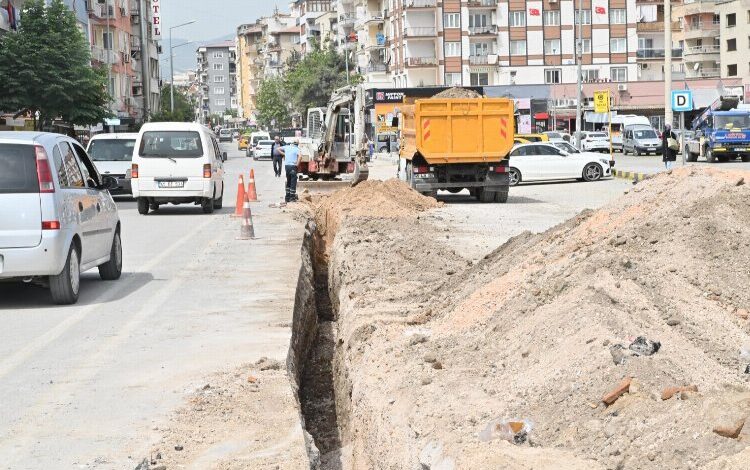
x=731, y=431
x=622, y=388
x=669, y=392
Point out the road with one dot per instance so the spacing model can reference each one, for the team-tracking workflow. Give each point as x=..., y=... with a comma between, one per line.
x=83, y=386
x=653, y=163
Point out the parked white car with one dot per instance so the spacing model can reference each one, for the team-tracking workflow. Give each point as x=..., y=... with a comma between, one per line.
x=57, y=218
x=595, y=141
x=113, y=154
x=263, y=149
x=177, y=163
x=256, y=137
x=542, y=161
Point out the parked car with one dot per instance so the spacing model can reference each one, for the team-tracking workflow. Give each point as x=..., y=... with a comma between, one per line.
x=235, y=134
x=256, y=137
x=527, y=138
x=263, y=150
x=177, y=163
x=640, y=140
x=595, y=141
x=112, y=155
x=57, y=218
x=541, y=161
x=225, y=135
x=554, y=136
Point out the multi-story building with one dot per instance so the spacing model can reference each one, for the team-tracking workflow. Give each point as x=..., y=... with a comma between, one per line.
x=649, y=17
x=249, y=66
x=144, y=53
x=8, y=7
x=280, y=40
x=217, y=74
x=9, y=15
x=306, y=13
x=735, y=39
x=699, y=38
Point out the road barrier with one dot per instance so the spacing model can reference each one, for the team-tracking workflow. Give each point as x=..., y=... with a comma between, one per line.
x=247, y=231
x=252, y=194
x=240, y=197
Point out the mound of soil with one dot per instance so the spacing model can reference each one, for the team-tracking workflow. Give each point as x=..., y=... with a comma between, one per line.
x=457, y=92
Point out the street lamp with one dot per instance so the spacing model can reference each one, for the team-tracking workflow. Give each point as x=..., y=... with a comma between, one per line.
x=171, y=63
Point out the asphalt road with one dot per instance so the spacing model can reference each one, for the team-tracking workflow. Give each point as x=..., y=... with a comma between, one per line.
x=653, y=164
x=84, y=386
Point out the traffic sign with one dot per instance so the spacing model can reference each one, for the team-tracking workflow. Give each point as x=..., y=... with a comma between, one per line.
x=682, y=100
x=601, y=101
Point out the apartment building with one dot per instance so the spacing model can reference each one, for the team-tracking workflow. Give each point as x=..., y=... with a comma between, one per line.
x=734, y=19
x=217, y=74
x=249, y=66
x=144, y=54
x=699, y=38
x=307, y=13
x=9, y=15
x=649, y=18
x=280, y=39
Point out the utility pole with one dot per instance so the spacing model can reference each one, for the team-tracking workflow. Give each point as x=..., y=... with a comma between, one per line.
x=579, y=59
x=145, y=59
x=668, y=117
x=171, y=64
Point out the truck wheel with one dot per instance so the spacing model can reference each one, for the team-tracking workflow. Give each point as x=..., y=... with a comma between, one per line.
x=486, y=196
x=502, y=196
x=710, y=157
x=592, y=172
x=514, y=176
x=143, y=205
x=65, y=286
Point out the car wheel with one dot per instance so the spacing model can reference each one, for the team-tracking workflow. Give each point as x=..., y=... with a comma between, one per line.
x=207, y=204
x=219, y=203
x=592, y=172
x=383, y=149
x=65, y=286
x=514, y=176
x=143, y=205
x=112, y=269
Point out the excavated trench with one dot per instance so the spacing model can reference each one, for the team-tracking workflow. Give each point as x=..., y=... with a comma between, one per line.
x=312, y=361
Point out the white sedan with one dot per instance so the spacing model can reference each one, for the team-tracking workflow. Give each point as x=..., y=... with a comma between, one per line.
x=542, y=161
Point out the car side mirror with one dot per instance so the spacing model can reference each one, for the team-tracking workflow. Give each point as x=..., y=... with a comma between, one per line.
x=224, y=157
x=109, y=183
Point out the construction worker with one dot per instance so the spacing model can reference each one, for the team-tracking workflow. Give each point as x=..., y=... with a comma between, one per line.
x=291, y=157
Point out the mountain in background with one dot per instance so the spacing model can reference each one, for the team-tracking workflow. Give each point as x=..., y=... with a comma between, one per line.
x=184, y=57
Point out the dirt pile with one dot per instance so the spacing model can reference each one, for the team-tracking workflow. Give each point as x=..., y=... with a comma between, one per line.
x=457, y=92
x=509, y=362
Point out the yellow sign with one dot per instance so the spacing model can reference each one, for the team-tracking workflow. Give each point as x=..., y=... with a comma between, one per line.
x=601, y=101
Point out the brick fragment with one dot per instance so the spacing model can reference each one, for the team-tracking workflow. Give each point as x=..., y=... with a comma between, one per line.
x=669, y=392
x=622, y=388
x=731, y=431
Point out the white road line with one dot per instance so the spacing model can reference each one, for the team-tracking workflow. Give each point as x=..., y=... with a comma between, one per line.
x=16, y=359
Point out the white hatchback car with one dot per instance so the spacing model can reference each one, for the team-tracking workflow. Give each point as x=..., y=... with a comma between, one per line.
x=113, y=154
x=595, y=141
x=57, y=218
x=263, y=149
x=542, y=161
x=177, y=163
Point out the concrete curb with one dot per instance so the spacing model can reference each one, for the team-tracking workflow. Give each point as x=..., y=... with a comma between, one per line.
x=630, y=175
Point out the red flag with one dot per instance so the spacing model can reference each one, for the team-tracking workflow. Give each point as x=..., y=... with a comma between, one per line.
x=534, y=12
x=600, y=10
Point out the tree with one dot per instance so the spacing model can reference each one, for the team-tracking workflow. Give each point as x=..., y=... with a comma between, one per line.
x=309, y=81
x=184, y=108
x=46, y=68
x=271, y=104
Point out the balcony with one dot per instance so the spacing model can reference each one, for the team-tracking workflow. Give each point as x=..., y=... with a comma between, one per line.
x=371, y=18
x=347, y=19
x=420, y=4
x=656, y=26
x=421, y=61
x=482, y=3
x=420, y=32
x=487, y=59
x=694, y=7
x=700, y=30
x=105, y=56
x=703, y=73
x=656, y=53
x=479, y=30
x=135, y=43
x=701, y=50
x=102, y=12
x=374, y=68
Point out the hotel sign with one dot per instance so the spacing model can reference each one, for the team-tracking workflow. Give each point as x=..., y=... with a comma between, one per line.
x=156, y=18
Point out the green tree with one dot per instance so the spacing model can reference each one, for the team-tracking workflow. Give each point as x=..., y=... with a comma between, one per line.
x=271, y=104
x=184, y=107
x=46, y=67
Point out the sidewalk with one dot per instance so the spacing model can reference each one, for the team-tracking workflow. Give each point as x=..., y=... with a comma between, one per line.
x=637, y=168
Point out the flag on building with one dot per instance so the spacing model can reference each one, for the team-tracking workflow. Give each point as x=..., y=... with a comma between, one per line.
x=534, y=12
x=600, y=10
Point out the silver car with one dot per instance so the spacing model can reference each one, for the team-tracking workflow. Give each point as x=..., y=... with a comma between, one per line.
x=57, y=218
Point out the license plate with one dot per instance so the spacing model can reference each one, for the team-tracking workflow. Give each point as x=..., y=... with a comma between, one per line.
x=171, y=184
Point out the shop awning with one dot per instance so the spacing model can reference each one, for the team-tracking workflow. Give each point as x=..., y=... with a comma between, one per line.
x=541, y=116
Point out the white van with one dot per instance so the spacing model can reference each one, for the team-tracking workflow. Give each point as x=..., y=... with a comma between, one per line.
x=177, y=163
x=112, y=155
x=620, y=122
x=256, y=137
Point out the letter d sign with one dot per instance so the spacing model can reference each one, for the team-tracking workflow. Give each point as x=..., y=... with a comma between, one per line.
x=682, y=100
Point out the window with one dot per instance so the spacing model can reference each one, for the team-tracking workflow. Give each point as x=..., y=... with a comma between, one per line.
x=171, y=144
x=453, y=79
x=233, y=102
x=645, y=44
x=731, y=44
x=70, y=168
x=552, y=18
x=552, y=76
x=218, y=55
x=617, y=16
x=589, y=75
x=107, y=40
x=479, y=48
x=480, y=79
x=221, y=102
x=586, y=44
x=518, y=48
x=732, y=70
x=717, y=19
x=452, y=20
x=551, y=46
x=452, y=49
x=478, y=21
x=218, y=66
x=618, y=74
x=731, y=20
x=219, y=79
x=517, y=18
x=618, y=45
x=586, y=17
x=219, y=90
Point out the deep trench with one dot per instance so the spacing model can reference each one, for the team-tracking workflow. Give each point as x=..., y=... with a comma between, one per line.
x=312, y=356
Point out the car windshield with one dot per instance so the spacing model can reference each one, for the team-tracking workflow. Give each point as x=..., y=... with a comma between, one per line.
x=644, y=134
x=732, y=122
x=567, y=147
x=111, y=150
x=598, y=135
x=554, y=135
x=265, y=143
x=171, y=144
x=258, y=138
x=225, y=132
x=18, y=169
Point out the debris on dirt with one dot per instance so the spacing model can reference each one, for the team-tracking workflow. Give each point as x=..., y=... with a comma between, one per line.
x=515, y=431
x=265, y=363
x=669, y=392
x=178, y=448
x=458, y=92
x=251, y=379
x=644, y=347
x=731, y=431
x=621, y=389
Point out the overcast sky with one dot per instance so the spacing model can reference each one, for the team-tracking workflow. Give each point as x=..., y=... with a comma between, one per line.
x=215, y=18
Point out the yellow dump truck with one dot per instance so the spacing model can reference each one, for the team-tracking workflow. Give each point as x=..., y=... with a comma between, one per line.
x=456, y=144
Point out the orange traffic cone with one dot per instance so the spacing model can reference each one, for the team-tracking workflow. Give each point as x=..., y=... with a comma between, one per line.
x=240, y=197
x=252, y=195
x=247, y=231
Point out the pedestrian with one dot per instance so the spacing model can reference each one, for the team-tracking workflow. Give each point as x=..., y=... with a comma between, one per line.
x=669, y=147
x=277, y=155
x=291, y=157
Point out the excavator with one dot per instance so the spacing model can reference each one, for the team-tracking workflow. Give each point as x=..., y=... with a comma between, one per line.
x=335, y=142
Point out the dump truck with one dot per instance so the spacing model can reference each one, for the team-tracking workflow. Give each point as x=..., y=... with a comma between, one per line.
x=722, y=132
x=458, y=143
